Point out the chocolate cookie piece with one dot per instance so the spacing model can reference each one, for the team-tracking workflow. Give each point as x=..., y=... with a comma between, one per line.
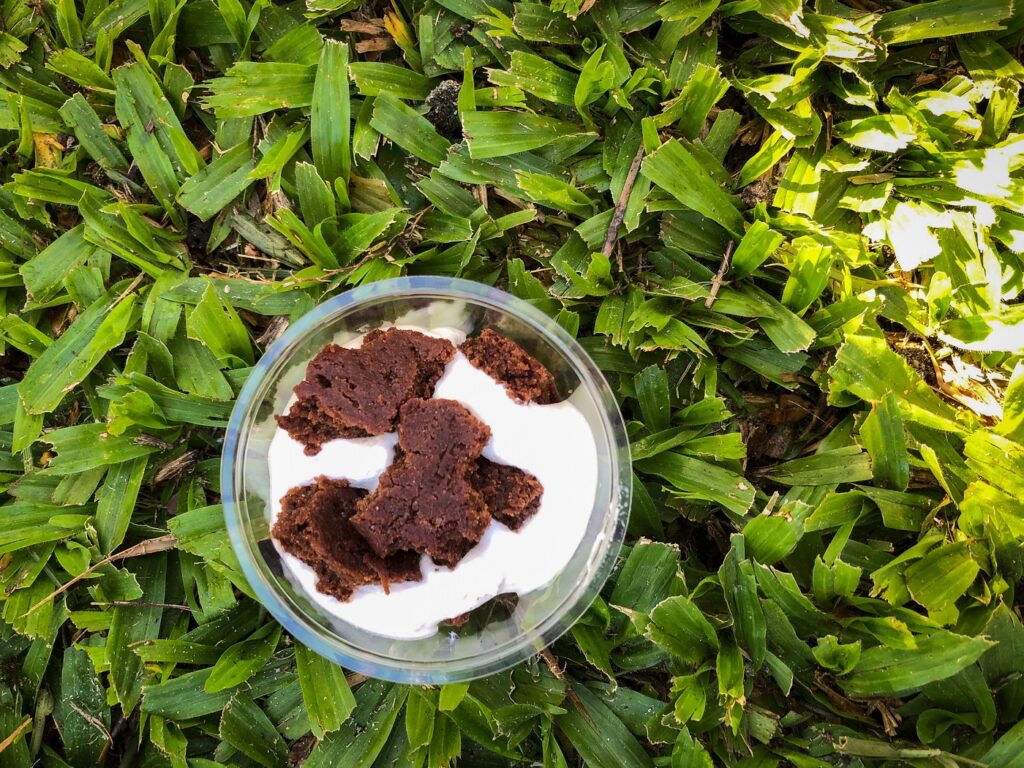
x=357, y=392
x=425, y=501
x=512, y=496
x=314, y=526
x=524, y=377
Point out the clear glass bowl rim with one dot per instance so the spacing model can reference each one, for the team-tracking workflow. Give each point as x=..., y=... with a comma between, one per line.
x=572, y=606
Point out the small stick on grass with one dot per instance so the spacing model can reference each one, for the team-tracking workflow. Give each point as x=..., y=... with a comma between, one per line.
x=141, y=604
x=716, y=281
x=13, y=736
x=620, y=207
x=147, y=547
x=559, y=673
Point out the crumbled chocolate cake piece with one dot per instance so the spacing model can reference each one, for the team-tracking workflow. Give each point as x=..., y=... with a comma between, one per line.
x=425, y=501
x=524, y=377
x=307, y=423
x=512, y=496
x=314, y=526
x=358, y=392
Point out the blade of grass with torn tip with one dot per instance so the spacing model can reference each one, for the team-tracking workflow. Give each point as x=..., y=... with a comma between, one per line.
x=739, y=586
x=107, y=226
x=184, y=697
x=247, y=728
x=325, y=691
x=116, y=501
x=141, y=92
x=82, y=710
x=773, y=537
x=44, y=273
x=869, y=369
x=373, y=78
x=675, y=170
x=759, y=243
x=700, y=480
x=216, y=185
x=79, y=349
x=215, y=323
x=87, y=446
x=278, y=153
x=884, y=671
x=691, y=108
x=841, y=465
x=115, y=18
x=799, y=188
x=652, y=392
x=940, y=19
x=539, y=23
x=330, y=117
x=678, y=626
x=600, y=737
x=252, y=88
x=132, y=624
x=539, y=77
x=940, y=578
x=357, y=745
x=87, y=73
x=84, y=121
x=412, y=132
x=883, y=437
x=496, y=134
x=244, y=659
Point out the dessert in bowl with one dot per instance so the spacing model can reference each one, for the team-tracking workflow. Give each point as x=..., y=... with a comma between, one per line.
x=426, y=479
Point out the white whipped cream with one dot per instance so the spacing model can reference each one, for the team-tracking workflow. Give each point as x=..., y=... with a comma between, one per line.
x=553, y=442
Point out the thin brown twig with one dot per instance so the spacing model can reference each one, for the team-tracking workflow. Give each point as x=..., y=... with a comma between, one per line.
x=620, y=207
x=91, y=719
x=147, y=547
x=134, y=284
x=140, y=604
x=13, y=737
x=716, y=281
x=559, y=673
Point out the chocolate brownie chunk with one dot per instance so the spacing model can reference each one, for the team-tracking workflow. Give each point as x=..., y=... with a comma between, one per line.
x=314, y=526
x=524, y=377
x=307, y=423
x=357, y=392
x=424, y=501
x=512, y=496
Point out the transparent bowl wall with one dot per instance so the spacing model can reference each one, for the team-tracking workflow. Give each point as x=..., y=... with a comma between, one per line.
x=494, y=641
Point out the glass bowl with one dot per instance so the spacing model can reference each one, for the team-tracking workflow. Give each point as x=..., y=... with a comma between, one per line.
x=504, y=631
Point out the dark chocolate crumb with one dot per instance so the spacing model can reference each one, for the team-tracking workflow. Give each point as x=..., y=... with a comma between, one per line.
x=523, y=376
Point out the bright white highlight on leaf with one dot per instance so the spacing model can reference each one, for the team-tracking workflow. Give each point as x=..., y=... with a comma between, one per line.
x=909, y=231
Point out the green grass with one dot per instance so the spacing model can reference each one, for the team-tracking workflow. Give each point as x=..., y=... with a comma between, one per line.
x=790, y=235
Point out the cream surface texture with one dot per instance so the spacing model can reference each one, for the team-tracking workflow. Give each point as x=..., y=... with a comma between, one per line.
x=553, y=442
